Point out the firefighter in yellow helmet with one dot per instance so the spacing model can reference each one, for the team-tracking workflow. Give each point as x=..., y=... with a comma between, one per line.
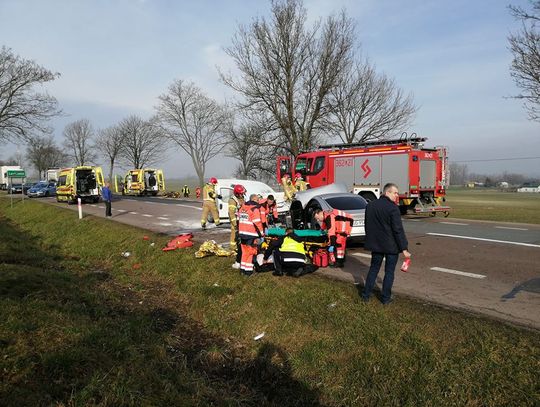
x=235, y=202
x=288, y=187
x=299, y=182
x=209, y=202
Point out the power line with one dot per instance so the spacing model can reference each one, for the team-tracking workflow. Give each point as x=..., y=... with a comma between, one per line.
x=497, y=159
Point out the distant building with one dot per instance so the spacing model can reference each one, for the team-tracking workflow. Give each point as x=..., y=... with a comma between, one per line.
x=529, y=189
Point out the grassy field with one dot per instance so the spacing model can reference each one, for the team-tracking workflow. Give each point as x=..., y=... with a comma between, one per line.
x=490, y=204
x=82, y=325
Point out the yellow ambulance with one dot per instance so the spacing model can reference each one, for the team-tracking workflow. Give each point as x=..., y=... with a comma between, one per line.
x=79, y=182
x=146, y=181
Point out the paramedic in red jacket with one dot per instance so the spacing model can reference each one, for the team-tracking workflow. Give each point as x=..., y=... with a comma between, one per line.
x=250, y=232
x=269, y=213
x=338, y=225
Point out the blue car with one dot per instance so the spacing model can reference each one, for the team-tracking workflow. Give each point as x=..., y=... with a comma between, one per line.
x=43, y=188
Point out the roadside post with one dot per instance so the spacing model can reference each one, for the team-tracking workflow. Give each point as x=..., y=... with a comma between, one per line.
x=79, y=205
x=16, y=174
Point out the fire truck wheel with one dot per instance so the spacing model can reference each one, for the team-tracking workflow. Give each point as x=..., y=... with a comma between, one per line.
x=446, y=214
x=432, y=214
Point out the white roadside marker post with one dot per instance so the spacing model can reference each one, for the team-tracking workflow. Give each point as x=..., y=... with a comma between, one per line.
x=79, y=204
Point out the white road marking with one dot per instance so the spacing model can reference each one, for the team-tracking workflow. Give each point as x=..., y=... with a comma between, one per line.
x=133, y=213
x=506, y=227
x=414, y=220
x=367, y=256
x=162, y=218
x=101, y=207
x=484, y=240
x=459, y=273
x=163, y=224
x=93, y=205
x=455, y=223
x=189, y=206
x=147, y=215
x=120, y=210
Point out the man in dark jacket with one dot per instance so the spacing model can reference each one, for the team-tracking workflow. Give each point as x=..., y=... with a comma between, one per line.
x=385, y=238
x=106, y=195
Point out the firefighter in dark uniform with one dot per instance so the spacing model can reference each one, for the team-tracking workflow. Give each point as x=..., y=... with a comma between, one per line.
x=185, y=191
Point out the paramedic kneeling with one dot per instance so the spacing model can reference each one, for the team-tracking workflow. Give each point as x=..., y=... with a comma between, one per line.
x=289, y=255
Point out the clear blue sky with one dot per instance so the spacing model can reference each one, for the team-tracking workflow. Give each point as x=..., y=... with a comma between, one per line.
x=116, y=57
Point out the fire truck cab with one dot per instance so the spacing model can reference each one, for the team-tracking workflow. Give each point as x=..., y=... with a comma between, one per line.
x=421, y=174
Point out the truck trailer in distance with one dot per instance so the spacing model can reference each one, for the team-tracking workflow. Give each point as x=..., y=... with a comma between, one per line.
x=4, y=180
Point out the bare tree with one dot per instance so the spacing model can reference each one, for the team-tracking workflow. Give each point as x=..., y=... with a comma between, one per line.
x=458, y=173
x=368, y=106
x=23, y=110
x=195, y=122
x=79, y=137
x=43, y=153
x=288, y=69
x=244, y=146
x=10, y=161
x=143, y=142
x=525, y=48
x=110, y=142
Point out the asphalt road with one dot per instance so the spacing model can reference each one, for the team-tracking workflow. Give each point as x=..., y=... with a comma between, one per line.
x=492, y=268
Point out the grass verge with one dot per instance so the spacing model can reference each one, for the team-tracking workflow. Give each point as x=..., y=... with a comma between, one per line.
x=82, y=325
x=489, y=204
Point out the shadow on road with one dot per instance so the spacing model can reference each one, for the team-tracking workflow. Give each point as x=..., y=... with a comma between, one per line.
x=532, y=286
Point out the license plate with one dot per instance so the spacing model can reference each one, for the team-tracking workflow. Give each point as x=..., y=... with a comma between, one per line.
x=358, y=223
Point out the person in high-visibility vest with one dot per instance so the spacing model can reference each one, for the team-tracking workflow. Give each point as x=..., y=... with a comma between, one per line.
x=289, y=254
x=338, y=225
x=250, y=232
x=269, y=213
x=235, y=203
x=198, y=192
x=209, y=203
x=299, y=182
x=185, y=191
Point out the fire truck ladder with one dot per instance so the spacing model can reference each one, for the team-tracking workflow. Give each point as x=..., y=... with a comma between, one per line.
x=414, y=141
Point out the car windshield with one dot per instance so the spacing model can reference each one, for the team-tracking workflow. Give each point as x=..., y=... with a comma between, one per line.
x=347, y=203
x=40, y=185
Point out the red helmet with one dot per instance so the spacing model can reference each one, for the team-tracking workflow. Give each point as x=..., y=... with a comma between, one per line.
x=213, y=180
x=239, y=189
x=297, y=175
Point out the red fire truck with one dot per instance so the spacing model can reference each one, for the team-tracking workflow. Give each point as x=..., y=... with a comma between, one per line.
x=420, y=173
